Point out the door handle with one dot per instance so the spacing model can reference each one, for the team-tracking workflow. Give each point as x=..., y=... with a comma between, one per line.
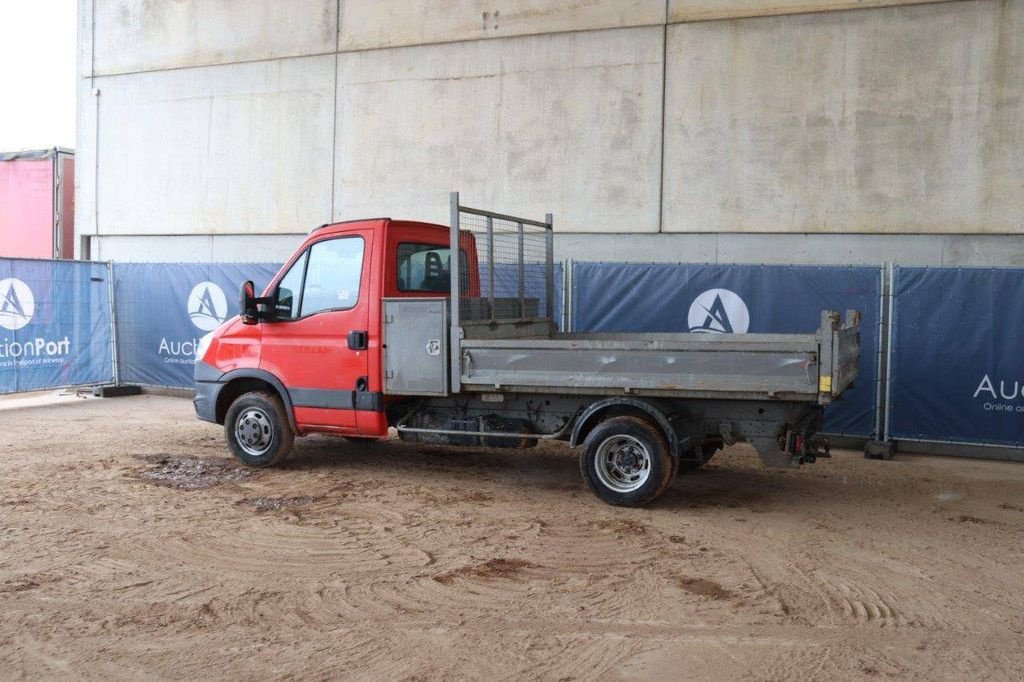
x=357, y=340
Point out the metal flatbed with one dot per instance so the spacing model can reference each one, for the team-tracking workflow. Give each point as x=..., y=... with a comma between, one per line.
x=798, y=367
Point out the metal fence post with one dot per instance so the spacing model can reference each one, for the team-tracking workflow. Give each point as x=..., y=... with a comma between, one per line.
x=114, y=354
x=880, y=360
x=550, y=266
x=522, y=272
x=566, y=293
x=889, y=353
x=573, y=290
x=454, y=340
x=490, y=265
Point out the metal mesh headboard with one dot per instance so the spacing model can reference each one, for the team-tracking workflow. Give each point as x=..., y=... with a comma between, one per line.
x=505, y=271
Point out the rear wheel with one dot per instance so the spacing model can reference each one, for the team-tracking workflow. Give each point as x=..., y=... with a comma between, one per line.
x=626, y=461
x=257, y=429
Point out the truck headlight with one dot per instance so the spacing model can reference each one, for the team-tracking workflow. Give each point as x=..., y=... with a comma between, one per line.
x=203, y=346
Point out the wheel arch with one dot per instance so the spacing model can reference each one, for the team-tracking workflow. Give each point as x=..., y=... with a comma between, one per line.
x=241, y=381
x=624, y=406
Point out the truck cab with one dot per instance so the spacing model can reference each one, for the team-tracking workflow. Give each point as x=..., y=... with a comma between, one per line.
x=313, y=339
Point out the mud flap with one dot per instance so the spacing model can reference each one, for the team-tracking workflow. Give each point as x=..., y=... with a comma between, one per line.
x=772, y=456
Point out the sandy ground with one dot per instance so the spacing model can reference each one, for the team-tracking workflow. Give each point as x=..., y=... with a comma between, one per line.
x=398, y=561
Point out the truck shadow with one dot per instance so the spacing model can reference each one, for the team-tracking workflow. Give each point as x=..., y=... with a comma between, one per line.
x=546, y=466
x=733, y=480
x=750, y=487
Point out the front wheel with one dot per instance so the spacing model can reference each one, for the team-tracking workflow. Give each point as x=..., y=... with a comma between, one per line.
x=626, y=461
x=257, y=429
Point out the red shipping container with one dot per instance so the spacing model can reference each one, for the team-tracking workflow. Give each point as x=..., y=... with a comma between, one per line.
x=37, y=204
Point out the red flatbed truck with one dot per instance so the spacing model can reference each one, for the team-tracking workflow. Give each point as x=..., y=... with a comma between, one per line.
x=359, y=333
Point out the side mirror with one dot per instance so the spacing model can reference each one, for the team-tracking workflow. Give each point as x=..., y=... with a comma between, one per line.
x=247, y=304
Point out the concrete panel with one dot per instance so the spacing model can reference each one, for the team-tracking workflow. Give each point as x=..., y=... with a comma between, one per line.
x=368, y=24
x=637, y=248
x=567, y=123
x=814, y=249
x=703, y=10
x=229, y=149
x=885, y=120
x=85, y=129
x=983, y=250
x=83, y=51
x=85, y=160
x=802, y=249
x=818, y=249
x=141, y=36
x=263, y=248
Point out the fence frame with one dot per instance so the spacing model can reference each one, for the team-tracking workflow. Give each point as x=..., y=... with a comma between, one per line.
x=888, y=310
x=109, y=265
x=890, y=352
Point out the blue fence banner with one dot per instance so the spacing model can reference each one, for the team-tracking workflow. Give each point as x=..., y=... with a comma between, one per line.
x=662, y=297
x=163, y=309
x=957, y=374
x=54, y=324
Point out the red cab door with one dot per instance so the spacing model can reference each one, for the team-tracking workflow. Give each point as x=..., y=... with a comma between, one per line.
x=318, y=345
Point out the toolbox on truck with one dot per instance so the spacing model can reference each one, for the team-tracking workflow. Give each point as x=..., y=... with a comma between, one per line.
x=415, y=343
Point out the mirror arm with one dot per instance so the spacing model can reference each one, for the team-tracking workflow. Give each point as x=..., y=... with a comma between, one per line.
x=265, y=306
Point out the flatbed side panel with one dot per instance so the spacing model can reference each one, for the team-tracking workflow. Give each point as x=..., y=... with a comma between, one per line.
x=673, y=394
x=801, y=343
x=686, y=372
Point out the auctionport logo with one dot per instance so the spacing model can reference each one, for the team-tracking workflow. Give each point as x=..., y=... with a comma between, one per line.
x=1011, y=391
x=718, y=311
x=207, y=306
x=17, y=304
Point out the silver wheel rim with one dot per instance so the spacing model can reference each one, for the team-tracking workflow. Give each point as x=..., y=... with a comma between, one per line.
x=623, y=463
x=253, y=431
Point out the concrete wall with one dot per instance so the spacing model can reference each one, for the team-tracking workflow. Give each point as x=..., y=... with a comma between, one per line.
x=375, y=24
x=134, y=35
x=481, y=117
x=891, y=120
x=819, y=249
x=706, y=10
x=238, y=148
x=681, y=130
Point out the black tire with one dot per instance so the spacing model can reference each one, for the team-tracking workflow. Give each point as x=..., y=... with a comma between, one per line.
x=626, y=461
x=257, y=429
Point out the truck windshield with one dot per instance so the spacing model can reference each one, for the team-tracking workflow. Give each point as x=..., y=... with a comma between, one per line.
x=426, y=267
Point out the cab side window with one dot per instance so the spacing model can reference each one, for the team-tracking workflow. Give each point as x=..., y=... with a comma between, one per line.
x=333, y=275
x=426, y=267
x=289, y=290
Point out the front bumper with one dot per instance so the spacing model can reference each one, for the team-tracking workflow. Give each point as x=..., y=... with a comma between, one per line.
x=208, y=387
